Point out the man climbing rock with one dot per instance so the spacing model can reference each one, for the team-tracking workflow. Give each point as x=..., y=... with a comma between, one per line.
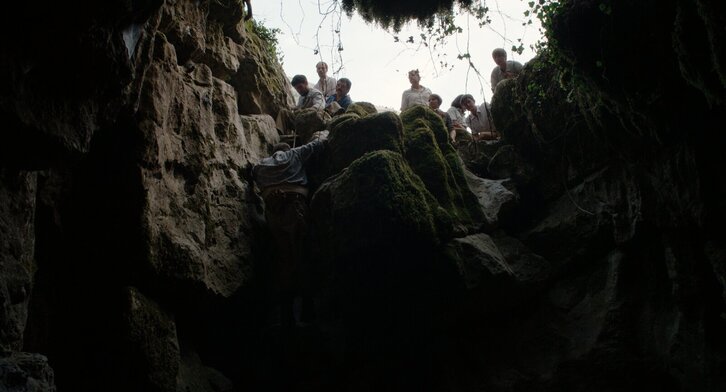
x=283, y=182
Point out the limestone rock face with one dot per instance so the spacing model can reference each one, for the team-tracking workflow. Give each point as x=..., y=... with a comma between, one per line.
x=495, y=199
x=17, y=244
x=140, y=119
x=195, y=206
x=152, y=341
x=502, y=270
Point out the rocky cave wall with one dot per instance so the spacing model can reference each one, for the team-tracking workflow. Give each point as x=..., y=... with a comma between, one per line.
x=126, y=125
x=585, y=254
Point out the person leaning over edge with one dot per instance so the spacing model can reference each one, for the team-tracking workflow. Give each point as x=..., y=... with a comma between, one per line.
x=435, y=103
x=504, y=69
x=458, y=120
x=479, y=120
x=283, y=183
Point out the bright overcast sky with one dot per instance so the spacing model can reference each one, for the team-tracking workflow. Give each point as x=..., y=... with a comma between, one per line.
x=377, y=65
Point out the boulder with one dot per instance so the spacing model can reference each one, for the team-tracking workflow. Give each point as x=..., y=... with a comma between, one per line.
x=362, y=108
x=432, y=158
x=604, y=210
x=502, y=269
x=352, y=136
x=377, y=205
x=152, y=348
x=479, y=261
x=308, y=121
x=495, y=197
x=26, y=372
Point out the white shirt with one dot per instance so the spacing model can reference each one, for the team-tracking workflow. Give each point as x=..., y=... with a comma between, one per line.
x=479, y=122
x=327, y=86
x=456, y=116
x=313, y=99
x=412, y=97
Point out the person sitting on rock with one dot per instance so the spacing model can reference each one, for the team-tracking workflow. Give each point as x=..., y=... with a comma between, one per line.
x=283, y=182
x=308, y=115
x=339, y=101
x=435, y=103
x=417, y=94
x=458, y=120
x=326, y=84
x=479, y=120
x=504, y=69
x=309, y=97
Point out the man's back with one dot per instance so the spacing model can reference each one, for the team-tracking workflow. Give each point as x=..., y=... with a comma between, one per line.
x=285, y=167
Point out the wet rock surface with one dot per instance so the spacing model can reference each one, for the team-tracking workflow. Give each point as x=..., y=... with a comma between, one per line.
x=583, y=251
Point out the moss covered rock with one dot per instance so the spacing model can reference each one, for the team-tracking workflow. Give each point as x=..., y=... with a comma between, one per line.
x=434, y=160
x=376, y=206
x=351, y=136
x=362, y=108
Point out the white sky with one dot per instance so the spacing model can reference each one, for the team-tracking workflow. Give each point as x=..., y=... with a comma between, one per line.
x=377, y=66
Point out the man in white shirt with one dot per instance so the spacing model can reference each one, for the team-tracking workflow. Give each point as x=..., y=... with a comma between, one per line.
x=417, y=94
x=308, y=115
x=478, y=120
x=504, y=69
x=326, y=84
x=309, y=97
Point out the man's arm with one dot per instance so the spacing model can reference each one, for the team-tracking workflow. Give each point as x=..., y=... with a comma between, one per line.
x=307, y=150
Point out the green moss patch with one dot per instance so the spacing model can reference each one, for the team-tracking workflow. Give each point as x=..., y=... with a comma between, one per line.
x=432, y=158
x=362, y=108
x=376, y=205
x=351, y=136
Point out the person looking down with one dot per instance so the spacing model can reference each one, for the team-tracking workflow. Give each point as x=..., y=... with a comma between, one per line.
x=434, y=104
x=458, y=119
x=478, y=121
x=504, y=69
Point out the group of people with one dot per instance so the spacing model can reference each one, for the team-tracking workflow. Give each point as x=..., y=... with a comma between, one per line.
x=479, y=118
x=328, y=93
x=333, y=96
x=283, y=181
